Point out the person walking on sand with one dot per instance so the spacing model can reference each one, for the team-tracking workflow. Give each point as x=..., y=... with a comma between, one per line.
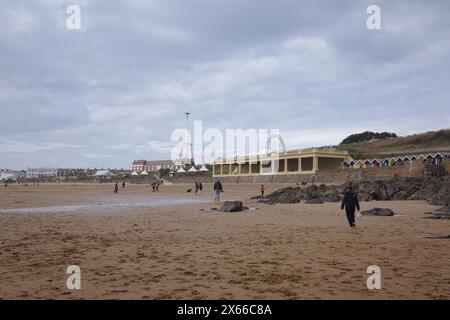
x=262, y=189
x=116, y=188
x=196, y=187
x=218, y=188
x=200, y=187
x=123, y=185
x=350, y=203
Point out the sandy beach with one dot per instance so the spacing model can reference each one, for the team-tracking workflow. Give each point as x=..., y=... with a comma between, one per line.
x=167, y=245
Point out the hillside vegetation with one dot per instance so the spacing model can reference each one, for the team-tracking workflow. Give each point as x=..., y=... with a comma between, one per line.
x=367, y=136
x=436, y=141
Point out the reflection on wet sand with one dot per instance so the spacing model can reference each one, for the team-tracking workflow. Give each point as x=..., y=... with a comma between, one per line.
x=109, y=204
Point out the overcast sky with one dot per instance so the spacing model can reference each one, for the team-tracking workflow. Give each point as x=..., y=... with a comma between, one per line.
x=115, y=90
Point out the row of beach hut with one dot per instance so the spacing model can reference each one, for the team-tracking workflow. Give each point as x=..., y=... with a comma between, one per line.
x=435, y=159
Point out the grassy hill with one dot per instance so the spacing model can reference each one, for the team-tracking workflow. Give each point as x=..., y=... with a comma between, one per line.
x=437, y=141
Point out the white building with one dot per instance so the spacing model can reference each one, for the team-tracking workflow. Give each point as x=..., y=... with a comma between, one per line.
x=103, y=174
x=8, y=177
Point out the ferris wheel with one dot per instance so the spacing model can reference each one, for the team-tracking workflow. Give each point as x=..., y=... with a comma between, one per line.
x=281, y=146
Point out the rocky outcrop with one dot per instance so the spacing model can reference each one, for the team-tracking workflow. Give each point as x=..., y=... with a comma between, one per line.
x=435, y=190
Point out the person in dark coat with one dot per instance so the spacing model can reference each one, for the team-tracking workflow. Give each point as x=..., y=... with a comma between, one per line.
x=350, y=203
x=116, y=188
x=218, y=188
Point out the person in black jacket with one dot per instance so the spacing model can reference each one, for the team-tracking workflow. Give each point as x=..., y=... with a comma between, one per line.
x=350, y=203
x=197, y=187
x=217, y=190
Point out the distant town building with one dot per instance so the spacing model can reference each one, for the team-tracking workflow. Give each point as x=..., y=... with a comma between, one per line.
x=19, y=174
x=140, y=166
x=35, y=173
x=75, y=172
x=8, y=176
x=103, y=174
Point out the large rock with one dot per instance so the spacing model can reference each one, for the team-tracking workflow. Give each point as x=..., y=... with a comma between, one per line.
x=231, y=206
x=381, y=212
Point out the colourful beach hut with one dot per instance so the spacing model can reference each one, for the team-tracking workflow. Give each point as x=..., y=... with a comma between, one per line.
x=413, y=157
x=345, y=165
x=438, y=159
x=392, y=162
x=358, y=164
x=421, y=157
x=351, y=163
x=376, y=163
x=429, y=158
x=399, y=161
x=367, y=163
x=385, y=163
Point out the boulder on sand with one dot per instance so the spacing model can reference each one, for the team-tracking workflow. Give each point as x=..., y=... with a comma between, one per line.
x=381, y=212
x=231, y=206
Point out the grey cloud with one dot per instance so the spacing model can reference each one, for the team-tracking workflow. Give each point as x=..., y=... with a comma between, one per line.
x=118, y=88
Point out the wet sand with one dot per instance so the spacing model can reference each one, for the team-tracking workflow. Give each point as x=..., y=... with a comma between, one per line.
x=166, y=247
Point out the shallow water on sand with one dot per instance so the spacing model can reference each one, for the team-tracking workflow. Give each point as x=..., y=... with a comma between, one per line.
x=111, y=204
